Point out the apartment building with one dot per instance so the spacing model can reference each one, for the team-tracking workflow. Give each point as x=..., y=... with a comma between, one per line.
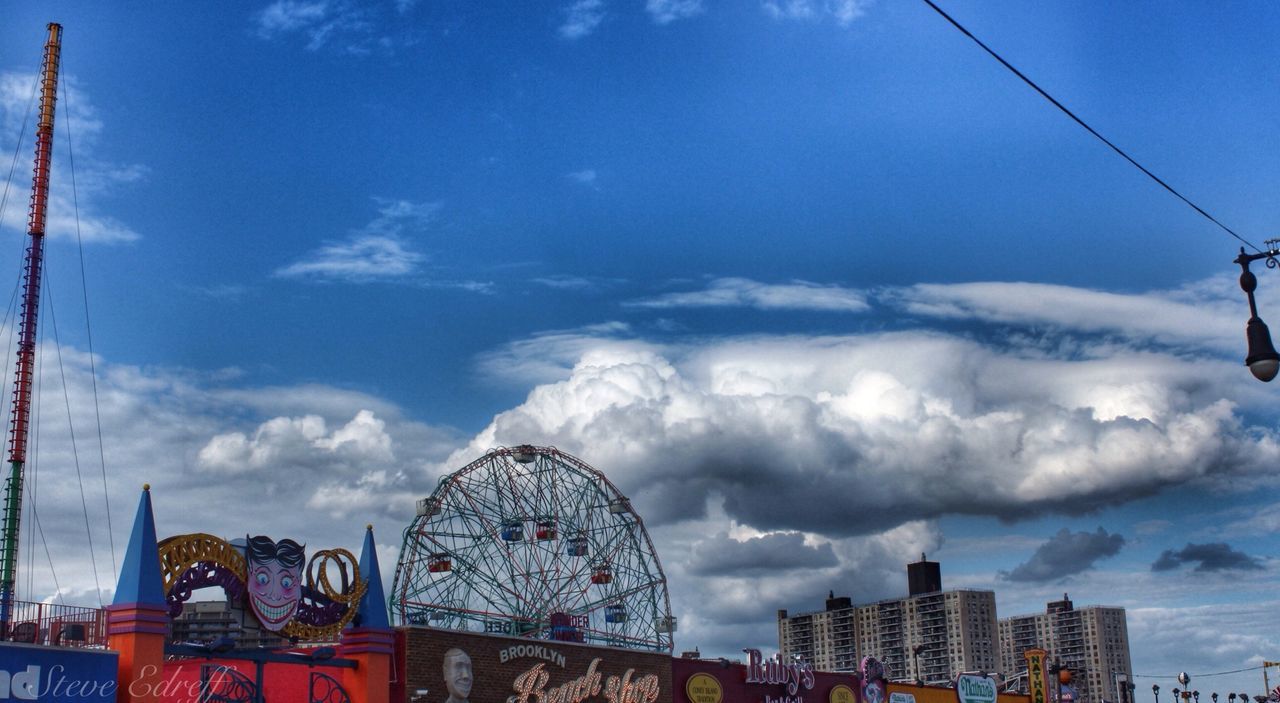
x=206, y=621
x=1092, y=641
x=931, y=635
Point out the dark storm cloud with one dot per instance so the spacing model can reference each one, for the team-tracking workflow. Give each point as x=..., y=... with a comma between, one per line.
x=723, y=555
x=1215, y=556
x=1065, y=554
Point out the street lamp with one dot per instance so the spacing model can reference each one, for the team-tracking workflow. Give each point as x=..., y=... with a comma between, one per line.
x=1263, y=361
x=916, y=651
x=1155, y=691
x=1214, y=697
x=1197, y=695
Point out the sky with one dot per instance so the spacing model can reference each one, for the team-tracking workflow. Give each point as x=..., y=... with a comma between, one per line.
x=818, y=284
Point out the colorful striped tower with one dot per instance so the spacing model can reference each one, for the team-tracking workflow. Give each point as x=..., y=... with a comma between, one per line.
x=370, y=640
x=138, y=617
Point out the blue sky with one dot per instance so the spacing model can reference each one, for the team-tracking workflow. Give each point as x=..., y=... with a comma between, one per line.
x=792, y=267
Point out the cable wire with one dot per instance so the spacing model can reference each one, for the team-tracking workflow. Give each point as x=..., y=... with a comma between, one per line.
x=1082, y=123
x=71, y=430
x=1216, y=673
x=84, y=289
x=17, y=149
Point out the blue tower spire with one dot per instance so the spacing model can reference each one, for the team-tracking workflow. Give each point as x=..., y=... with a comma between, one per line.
x=140, y=580
x=373, y=605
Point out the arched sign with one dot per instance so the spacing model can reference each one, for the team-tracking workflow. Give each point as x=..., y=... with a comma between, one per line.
x=288, y=594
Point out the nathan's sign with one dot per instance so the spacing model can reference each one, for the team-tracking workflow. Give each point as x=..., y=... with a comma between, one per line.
x=1036, y=686
x=534, y=686
x=793, y=676
x=976, y=689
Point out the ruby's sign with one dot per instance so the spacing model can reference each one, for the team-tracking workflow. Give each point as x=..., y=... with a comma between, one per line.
x=793, y=676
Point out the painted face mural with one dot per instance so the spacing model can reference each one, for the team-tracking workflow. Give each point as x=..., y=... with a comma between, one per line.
x=274, y=581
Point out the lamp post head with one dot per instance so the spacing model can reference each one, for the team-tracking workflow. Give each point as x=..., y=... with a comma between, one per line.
x=1155, y=688
x=1184, y=678
x=1263, y=361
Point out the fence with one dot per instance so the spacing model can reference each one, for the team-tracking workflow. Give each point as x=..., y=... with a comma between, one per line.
x=59, y=625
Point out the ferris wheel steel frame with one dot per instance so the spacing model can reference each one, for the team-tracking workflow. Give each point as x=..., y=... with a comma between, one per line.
x=533, y=542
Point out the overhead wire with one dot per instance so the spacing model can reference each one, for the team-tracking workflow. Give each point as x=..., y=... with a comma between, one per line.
x=71, y=430
x=84, y=288
x=1216, y=673
x=1084, y=124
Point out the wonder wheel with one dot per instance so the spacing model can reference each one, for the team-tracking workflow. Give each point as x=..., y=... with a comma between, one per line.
x=530, y=541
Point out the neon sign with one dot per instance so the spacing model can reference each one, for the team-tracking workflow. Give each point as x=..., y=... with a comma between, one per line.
x=794, y=676
x=531, y=687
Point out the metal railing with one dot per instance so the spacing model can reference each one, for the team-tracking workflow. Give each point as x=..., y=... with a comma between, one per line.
x=57, y=625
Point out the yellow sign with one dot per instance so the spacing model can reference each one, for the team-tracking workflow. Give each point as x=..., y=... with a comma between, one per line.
x=1036, y=685
x=705, y=688
x=841, y=694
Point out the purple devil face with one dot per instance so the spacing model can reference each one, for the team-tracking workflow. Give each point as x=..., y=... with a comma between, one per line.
x=274, y=586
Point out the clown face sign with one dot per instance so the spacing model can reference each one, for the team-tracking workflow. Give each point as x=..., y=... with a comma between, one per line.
x=275, y=584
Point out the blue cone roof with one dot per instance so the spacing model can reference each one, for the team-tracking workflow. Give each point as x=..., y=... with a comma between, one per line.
x=140, y=580
x=373, y=606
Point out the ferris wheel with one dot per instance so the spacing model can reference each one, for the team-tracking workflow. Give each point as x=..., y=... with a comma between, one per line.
x=532, y=542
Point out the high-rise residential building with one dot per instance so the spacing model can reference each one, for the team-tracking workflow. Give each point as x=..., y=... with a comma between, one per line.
x=1092, y=641
x=932, y=635
x=206, y=621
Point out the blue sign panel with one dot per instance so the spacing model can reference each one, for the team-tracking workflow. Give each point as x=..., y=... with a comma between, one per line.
x=30, y=672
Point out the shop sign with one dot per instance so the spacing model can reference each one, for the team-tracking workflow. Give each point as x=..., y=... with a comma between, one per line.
x=531, y=687
x=56, y=675
x=794, y=676
x=704, y=688
x=533, y=651
x=841, y=693
x=900, y=697
x=976, y=689
x=1036, y=685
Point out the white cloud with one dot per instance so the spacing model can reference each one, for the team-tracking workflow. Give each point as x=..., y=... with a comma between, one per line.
x=341, y=25
x=301, y=441
x=1208, y=314
x=221, y=460
x=395, y=217
x=356, y=260
x=75, y=205
x=668, y=11
x=742, y=292
x=582, y=18
x=376, y=251
x=844, y=12
x=291, y=16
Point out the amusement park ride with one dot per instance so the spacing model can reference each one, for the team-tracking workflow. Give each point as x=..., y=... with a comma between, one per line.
x=530, y=541
x=20, y=411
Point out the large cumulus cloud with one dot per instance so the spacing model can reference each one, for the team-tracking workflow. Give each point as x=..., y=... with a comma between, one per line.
x=850, y=435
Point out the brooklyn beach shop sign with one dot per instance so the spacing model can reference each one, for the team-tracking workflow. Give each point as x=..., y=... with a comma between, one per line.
x=534, y=685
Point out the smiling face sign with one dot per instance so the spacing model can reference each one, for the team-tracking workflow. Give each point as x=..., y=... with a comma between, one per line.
x=274, y=571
